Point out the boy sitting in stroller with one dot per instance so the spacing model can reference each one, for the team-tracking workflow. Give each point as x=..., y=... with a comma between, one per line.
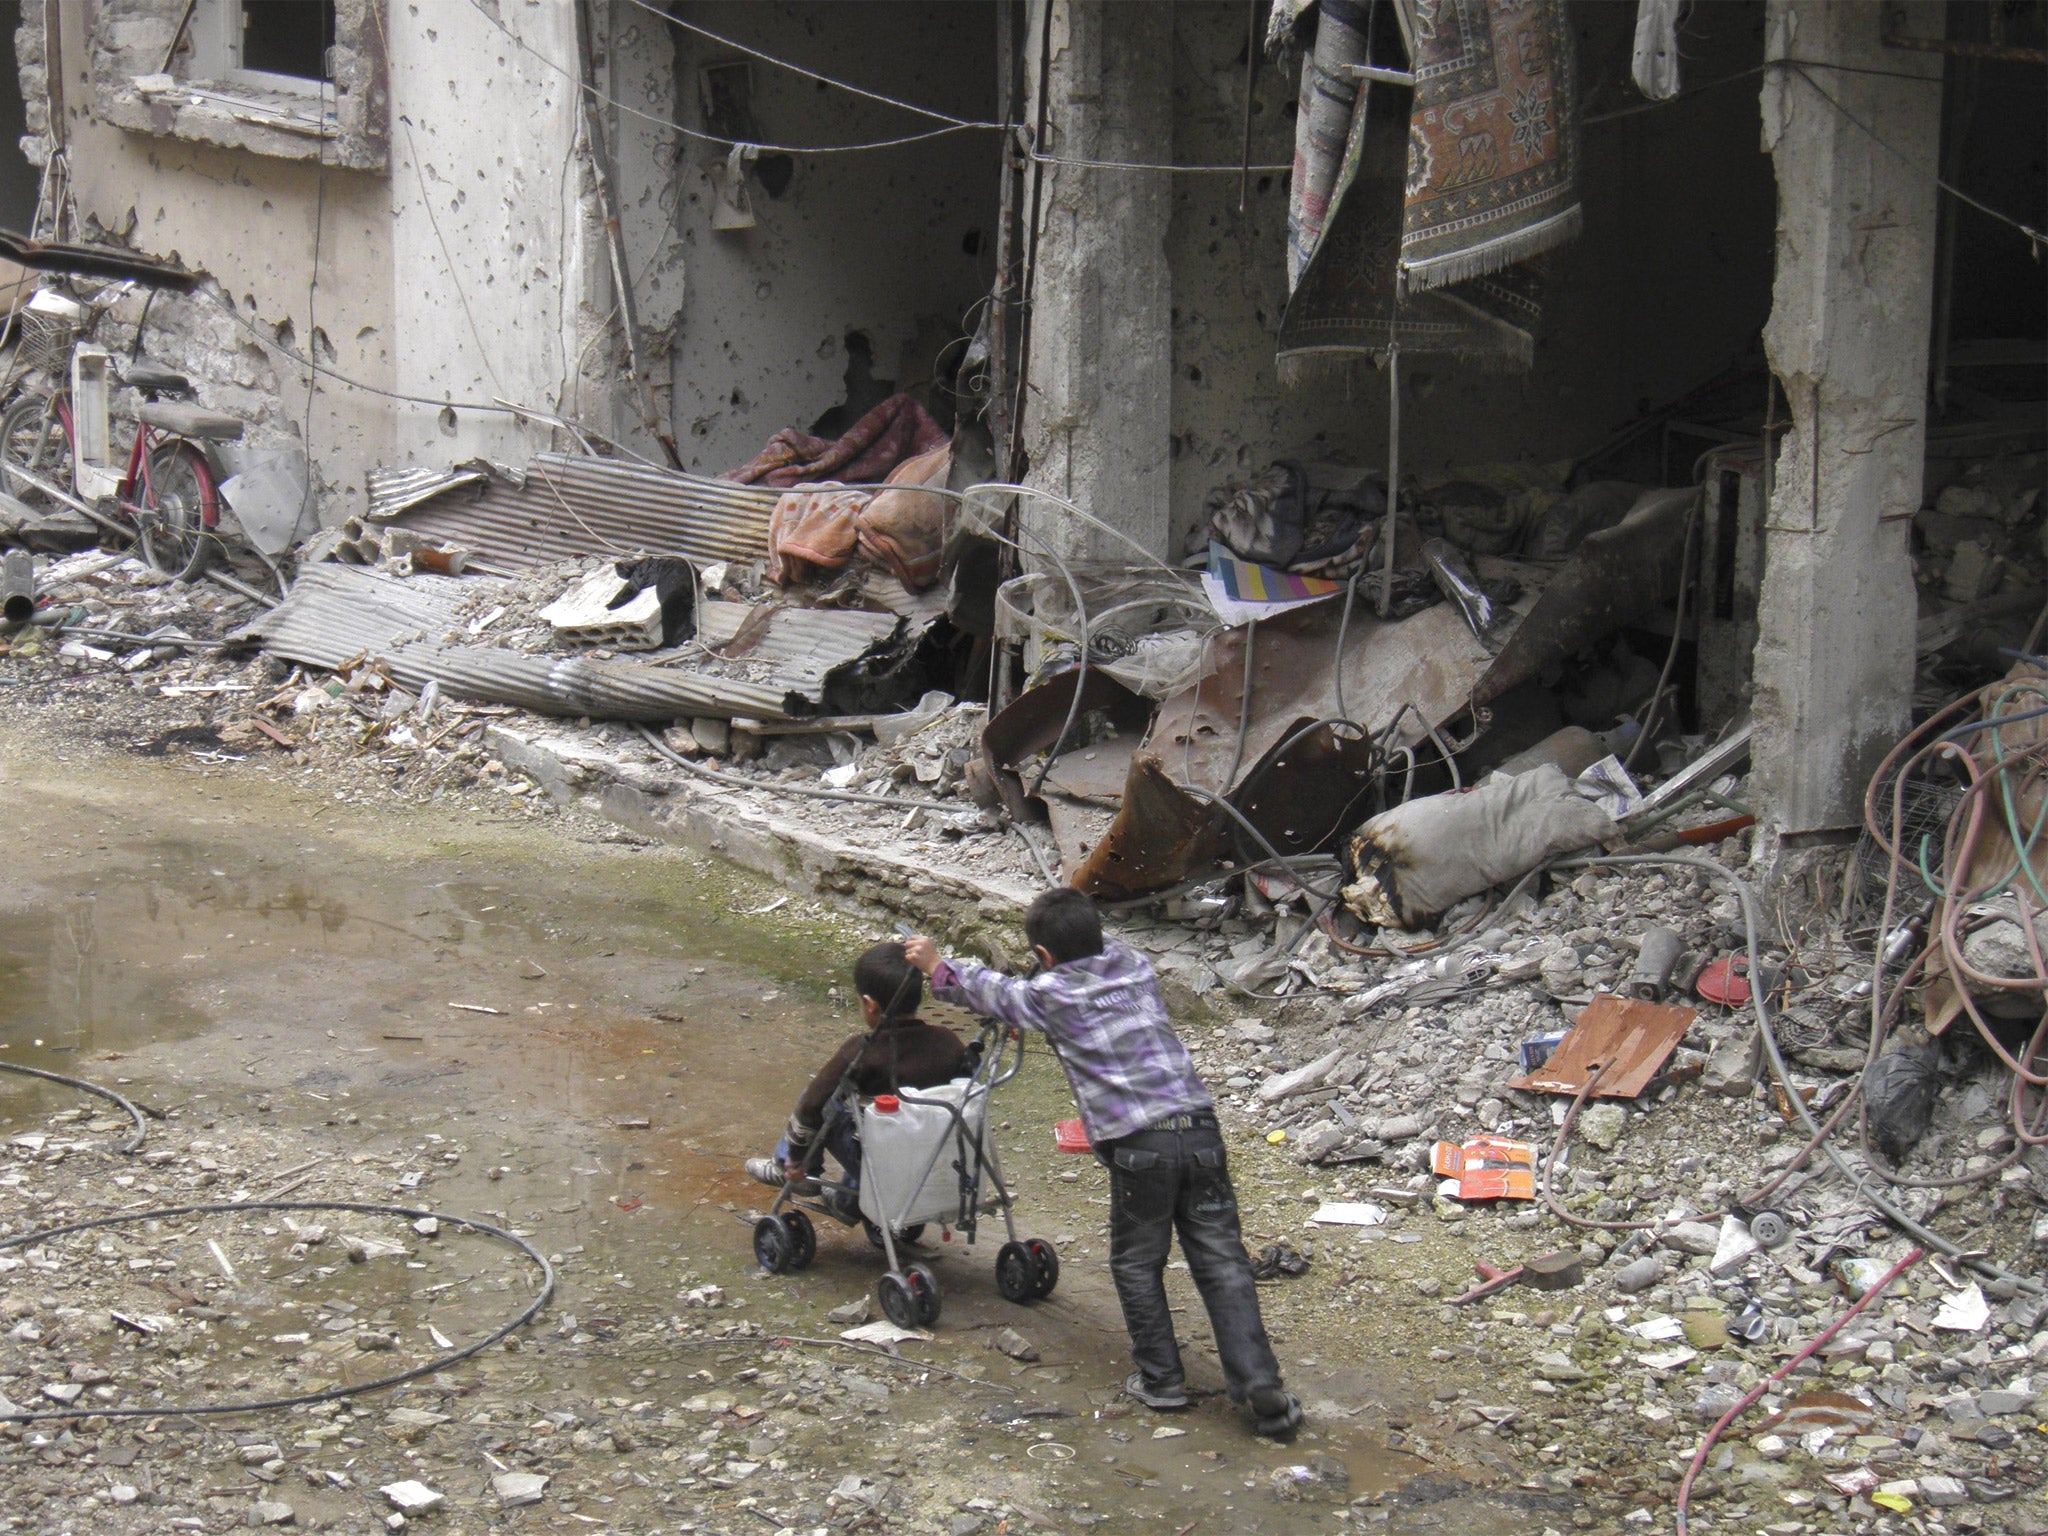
x=896, y=1050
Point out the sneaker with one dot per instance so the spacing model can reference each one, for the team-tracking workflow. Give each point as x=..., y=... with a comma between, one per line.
x=1276, y=1412
x=765, y=1170
x=1166, y=1399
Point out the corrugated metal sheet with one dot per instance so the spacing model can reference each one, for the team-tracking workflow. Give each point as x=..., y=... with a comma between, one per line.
x=797, y=646
x=336, y=612
x=393, y=491
x=577, y=505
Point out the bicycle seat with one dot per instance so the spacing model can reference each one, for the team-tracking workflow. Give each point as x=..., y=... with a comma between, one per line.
x=146, y=374
x=190, y=420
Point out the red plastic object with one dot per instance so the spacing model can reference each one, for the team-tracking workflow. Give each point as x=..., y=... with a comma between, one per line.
x=1725, y=981
x=887, y=1103
x=1069, y=1136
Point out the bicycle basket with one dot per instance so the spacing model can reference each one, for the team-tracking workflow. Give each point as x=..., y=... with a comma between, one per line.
x=46, y=340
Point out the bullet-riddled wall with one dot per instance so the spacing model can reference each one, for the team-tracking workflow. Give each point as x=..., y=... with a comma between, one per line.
x=862, y=268
x=437, y=246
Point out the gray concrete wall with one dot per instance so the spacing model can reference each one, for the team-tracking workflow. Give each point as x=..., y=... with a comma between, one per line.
x=498, y=278
x=1098, y=398
x=1848, y=340
x=872, y=242
x=1669, y=283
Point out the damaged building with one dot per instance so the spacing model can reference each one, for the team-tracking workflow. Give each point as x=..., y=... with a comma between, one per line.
x=1266, y=418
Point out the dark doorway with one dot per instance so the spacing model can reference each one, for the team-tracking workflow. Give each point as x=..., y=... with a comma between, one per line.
x=18, y=179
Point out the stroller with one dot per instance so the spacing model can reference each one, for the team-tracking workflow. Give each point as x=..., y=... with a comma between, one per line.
x=925, y=1155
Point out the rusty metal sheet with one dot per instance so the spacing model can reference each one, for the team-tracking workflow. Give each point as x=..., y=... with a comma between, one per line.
x=1315, y=790
x=1077, y=826
x=1030, y=723
x=1616, y=575
x=1430, y=659
x=1632, y=1037
x=1095, y=772
x=1159, y=834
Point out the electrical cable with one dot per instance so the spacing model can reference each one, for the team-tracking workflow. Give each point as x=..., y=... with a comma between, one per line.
x=132, y=1144
x=1685, y=583
x=947, y=123
x=809, y=74
x=1799, y=67
x=440, y=1362
x=1699, y=1457
x=1774, y=1057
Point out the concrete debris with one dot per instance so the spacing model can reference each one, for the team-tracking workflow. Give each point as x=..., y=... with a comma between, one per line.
x=515, y=1489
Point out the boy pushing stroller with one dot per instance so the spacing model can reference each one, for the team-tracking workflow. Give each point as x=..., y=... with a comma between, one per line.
x=896, y=1050
x=1153, y=1124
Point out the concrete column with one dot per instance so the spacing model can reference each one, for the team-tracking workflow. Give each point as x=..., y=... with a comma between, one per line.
x=1099, y=389
x=1847, y=338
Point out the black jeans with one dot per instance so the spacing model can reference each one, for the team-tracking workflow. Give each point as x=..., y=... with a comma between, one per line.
x=1161, y=1182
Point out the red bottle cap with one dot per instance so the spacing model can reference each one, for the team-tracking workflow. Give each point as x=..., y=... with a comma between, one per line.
x=887, y=1104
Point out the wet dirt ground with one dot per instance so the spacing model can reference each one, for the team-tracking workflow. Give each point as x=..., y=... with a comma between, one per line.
x=576, y=1037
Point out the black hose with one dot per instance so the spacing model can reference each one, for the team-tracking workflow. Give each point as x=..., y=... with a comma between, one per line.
x=1775, y=1059
x=438, y=1363
x=132, y=1144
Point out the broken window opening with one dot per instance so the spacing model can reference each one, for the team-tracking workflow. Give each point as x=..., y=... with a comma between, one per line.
x=271, y=45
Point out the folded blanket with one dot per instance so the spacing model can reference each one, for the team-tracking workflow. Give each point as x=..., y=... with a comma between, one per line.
x=897, y=429
x=819, y=528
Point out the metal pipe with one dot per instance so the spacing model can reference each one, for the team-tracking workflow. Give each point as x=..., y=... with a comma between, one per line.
x=18, y=587
x=1393, y=474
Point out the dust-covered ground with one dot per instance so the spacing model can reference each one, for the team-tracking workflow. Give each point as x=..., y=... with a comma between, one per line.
x=480, y=1010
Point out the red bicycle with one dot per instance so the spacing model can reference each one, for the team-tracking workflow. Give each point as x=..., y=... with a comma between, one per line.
x=54, y=454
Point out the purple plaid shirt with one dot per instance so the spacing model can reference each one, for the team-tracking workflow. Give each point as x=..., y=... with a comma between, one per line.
x=1107, y=1021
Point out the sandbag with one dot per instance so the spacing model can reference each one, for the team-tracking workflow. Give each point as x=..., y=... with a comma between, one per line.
x=1416, y=861
x=904, y=528
x=1577, y=515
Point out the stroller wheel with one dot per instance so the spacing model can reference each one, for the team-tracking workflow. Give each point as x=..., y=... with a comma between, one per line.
x=803, y=1238
x=907, y=1235
x=899, y=1302
x=925, y=1286
x=1016, y=1274
x=774, y=1248
x=1046, y=1262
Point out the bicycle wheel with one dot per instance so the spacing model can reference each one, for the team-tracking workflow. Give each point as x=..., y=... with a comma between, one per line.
x=180, y=509
x=32, y=438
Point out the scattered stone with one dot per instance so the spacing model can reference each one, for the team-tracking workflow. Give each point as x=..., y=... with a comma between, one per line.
x=1015, y=1345
x=1696, y=1237
x=412, y=1498
x=1640, y=1275
x=268, y=1512
x=1285, y=1085
x=1941, y=1492
x=1602, y=1124
x=517, y=1488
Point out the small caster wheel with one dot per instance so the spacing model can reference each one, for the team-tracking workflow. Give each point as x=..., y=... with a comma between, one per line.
x=1769, y=1229
x=899, y=1301
x=925, y=1286
x=1016, y=1274
x=1046, y=1262
x=803, y=1239
x=774, y=1248
x=911, y=1234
